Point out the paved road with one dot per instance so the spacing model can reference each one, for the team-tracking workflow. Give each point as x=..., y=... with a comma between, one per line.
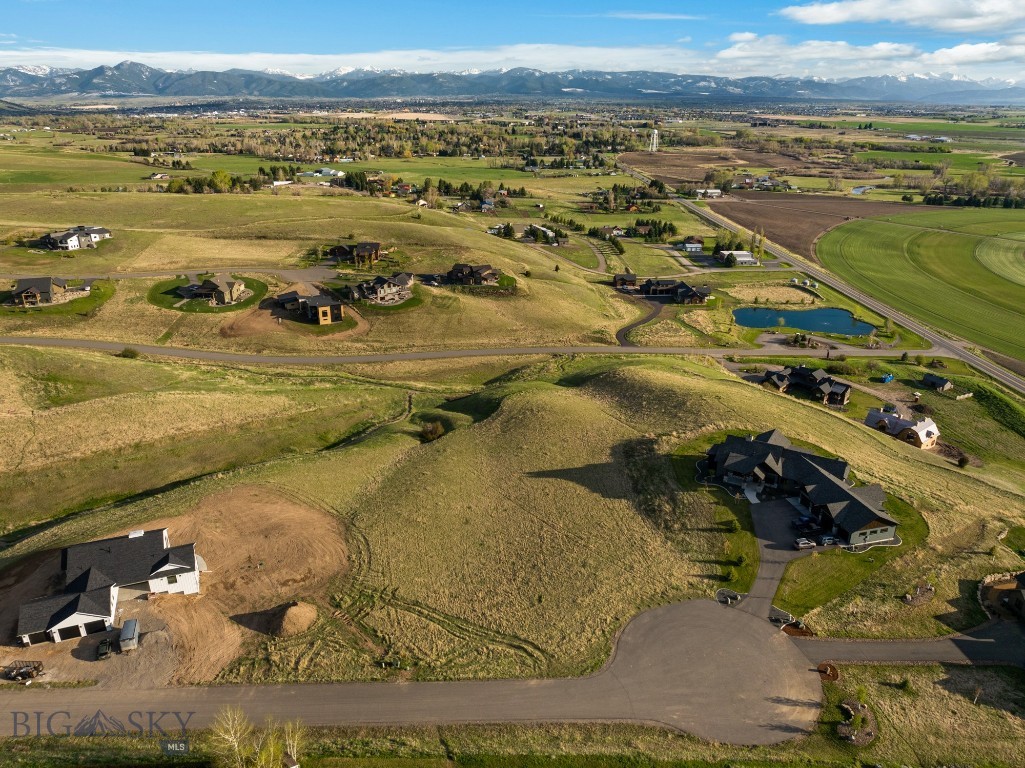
x=390, y=357
x=1001, y=642
x=698, y=667
x=946, y=344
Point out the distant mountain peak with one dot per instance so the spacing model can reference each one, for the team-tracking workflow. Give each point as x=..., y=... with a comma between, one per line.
x=129, y=78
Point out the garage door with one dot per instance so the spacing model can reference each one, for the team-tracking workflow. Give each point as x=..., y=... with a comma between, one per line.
x=37, y=637
x=68, y=633
x=95, y=626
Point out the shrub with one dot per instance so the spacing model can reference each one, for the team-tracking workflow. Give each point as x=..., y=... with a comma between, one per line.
x=962, y=461
x=732, y=526
x=128, y=353
x=431, y=431
x=728, y=574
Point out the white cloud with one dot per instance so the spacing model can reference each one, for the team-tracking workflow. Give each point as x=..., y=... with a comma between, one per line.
x=964, y=16
x=972, y=54
x=813, y=53
x=745, y=54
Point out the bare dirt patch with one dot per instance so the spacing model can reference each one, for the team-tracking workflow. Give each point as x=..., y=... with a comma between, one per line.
x=271, y=319
x=265, y=552
x=796, y=221
x=263, y=549
x=691, y=165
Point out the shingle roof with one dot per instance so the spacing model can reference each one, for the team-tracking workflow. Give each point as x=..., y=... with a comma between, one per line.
x=126, y=560
x=47, y=612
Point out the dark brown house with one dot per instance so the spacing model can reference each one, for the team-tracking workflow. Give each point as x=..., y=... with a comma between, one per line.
x=366, y=254
x=469, y=274
x=37, y=291
x=816, y=383
x=625, y=280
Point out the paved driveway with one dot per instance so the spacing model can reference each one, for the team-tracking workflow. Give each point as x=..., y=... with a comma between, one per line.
x=776, y=549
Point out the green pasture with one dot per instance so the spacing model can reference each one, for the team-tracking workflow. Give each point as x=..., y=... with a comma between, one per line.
x=25, y=168
x=960, y=270
x=959, y=161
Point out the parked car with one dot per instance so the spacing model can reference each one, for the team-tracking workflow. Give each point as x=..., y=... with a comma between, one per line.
x=828, y=541
x=129, y=639
x=104, y=649
x=804, y=544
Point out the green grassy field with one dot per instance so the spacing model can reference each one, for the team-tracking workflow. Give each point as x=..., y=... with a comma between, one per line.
x=959, y=162
x=960, y=270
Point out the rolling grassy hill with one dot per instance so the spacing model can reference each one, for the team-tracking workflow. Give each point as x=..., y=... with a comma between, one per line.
x=548, y=515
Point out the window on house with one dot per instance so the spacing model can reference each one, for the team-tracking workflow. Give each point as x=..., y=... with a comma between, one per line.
x=172, y=580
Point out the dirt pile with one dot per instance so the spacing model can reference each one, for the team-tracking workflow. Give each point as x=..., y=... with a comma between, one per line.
x=293, y=619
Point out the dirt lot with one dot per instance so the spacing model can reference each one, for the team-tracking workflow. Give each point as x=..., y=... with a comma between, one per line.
x=678, y=166
x=263, y=550
x=269, y=318
x=795, y=221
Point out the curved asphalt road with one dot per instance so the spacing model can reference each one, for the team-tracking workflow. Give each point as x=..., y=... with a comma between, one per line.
x=696, y=667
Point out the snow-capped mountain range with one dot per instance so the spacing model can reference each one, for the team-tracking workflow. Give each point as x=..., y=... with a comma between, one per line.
x=133, y=79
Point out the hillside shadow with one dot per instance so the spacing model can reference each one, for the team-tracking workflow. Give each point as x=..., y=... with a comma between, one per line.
x=1007, y=694
x=967, y=612
x=592, y=477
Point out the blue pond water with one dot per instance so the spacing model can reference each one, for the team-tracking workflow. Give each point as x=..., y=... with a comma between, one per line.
x=824, y=320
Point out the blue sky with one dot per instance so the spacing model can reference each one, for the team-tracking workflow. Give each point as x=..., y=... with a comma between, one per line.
x=827, y=38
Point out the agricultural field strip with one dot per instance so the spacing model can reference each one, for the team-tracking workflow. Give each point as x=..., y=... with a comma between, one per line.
x=938, y=340
x=931, y=277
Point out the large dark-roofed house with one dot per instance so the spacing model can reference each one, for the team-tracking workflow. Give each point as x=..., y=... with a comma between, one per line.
x=816, y=383
x=98, y=574
x=819, y=484
x=36, y=291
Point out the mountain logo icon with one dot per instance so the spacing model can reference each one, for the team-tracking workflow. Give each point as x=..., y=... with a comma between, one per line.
x=99, y=724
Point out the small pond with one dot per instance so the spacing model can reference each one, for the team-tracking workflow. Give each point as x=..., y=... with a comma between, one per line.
x=861, y=190
x=822, y=320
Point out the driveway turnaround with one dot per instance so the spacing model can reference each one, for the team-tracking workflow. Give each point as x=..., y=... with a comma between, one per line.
x=699, y=667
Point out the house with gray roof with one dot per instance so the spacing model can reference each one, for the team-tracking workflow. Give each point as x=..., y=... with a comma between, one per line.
x=221, y=290
x=99, y=574
x=939, y=383
x=37, y=291
x=818, y=484
x=903, y=425
x=75, y=238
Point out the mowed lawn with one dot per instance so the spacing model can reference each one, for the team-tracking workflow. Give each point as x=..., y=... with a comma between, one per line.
x=960, y=270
